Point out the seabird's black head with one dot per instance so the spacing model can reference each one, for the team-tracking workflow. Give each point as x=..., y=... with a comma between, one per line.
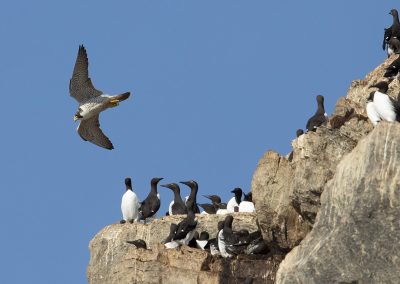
x=320, y=99
x=248, y=197
x=172, y=186
x=190, y=183
x=128, y=183
x=382, y=86
x=228, y=222
x=196, y=235
x=213, y=198
x=154, y=181
x=299, y=132
x=204, y=236
x=371, y=97
x=237, y=190
x=393, y=12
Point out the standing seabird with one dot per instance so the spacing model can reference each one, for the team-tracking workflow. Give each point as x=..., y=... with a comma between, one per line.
x=214, y=250
x=216, y=200
x=228, y=242
x=393, y=69
x=129, y=204
x=233, y=204
x=380, y=105
x=91, y=102
x=319, y=118
x=151, y=204
x=168, y=242
x=177, y=206
x=186, y=228
x=138, y=243
x=194, y=187
x=247, y=204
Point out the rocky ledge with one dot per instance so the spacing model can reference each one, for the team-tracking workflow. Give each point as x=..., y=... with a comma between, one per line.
x=330, y=209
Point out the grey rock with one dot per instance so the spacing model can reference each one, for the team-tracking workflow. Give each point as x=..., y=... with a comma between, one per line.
x=356, y=233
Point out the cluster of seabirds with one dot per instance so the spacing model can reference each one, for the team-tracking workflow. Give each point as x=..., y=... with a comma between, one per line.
x=228, y=243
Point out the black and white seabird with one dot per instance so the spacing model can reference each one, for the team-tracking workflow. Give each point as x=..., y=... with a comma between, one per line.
x=151, y=204
x=233, y=203
x=213, y=243
x=380, y=106
x=186, y=228
x=129, y=204
x=138, y=243
x=216, y=200
x=229, y=243
x=247, y=204
x=208, y=208
x=177, y=206
x=168, y=242
x=319, y=118
x=392, y=35
x=194, y=187
x=393, y=69
x=299, y=132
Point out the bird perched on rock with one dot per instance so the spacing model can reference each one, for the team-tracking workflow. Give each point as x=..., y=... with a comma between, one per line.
x=208, y=208
x=319, y=118
x=194, y=187
x=233, y=203
x=152, y=203
x=177, y=206
x=129, y=204
x=227, y=238
x=392, y=34
x=91, y=102
x=247, y=204
x=138, y=243
x=186, y=228
x=393, y=69
x=213, y=243
x=168, y=242
x=380, y=105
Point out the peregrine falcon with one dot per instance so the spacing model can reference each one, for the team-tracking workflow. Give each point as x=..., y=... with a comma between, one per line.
x=91, y=102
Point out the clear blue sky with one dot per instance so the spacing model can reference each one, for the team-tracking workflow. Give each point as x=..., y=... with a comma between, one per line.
x=215, y=84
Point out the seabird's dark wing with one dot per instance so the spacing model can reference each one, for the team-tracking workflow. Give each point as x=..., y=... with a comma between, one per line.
x=387, y=35
x=80, y=85
x=89, y=130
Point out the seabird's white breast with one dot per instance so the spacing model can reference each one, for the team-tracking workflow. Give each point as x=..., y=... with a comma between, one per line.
x=231, y=205
x=222, y=211
x=246, y=206
x=372, y=113
x=129, y=206
x=170, y=208
x=221, y=245
x=384, y=106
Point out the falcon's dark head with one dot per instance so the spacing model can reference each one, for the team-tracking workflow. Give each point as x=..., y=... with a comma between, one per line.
x=78, y=115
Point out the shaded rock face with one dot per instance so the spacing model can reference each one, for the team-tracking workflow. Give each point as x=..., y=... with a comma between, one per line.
x=112, y=260
x=356, y=234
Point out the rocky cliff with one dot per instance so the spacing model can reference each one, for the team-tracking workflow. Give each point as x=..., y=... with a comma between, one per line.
x=330, y=209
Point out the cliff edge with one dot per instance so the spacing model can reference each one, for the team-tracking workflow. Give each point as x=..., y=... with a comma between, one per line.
x=330, y=209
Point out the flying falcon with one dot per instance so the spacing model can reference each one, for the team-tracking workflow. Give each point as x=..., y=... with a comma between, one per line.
x=91, y=102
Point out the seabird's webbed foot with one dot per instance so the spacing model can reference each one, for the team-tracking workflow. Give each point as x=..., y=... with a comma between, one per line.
x=131, y=221
x=122, y=222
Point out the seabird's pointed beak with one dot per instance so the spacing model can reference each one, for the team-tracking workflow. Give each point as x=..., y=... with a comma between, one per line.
x=184, y=182
x=165, y=185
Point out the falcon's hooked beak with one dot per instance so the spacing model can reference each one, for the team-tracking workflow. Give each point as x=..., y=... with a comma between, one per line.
x=77, y=117
x=114, y=103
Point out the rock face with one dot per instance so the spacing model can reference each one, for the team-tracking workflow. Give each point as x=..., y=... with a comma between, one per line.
x=115, y=261
x=357, y=231
x=331, y=206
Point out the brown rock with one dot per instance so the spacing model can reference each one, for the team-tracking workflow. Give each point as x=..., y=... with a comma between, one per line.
x=355, y=236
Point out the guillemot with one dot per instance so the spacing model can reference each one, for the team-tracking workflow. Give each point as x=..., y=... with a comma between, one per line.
x=177, y=206
x=151, y=204
x=129, y=204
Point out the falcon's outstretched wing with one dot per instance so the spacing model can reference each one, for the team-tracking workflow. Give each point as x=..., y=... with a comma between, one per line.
x=89, y=130
x=80, y=85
